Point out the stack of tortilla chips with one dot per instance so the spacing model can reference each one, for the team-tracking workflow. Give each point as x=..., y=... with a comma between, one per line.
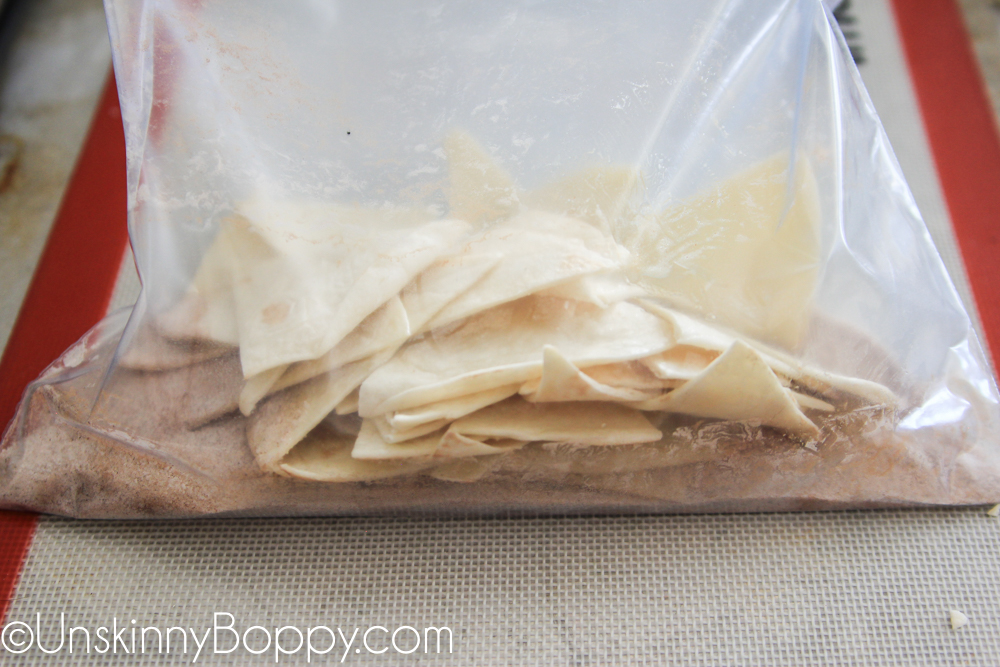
x=382, y=342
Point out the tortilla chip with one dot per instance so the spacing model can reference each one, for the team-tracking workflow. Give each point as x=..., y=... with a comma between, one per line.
x=349, y=404
x=372, y=445
x=562, y=381
x=257, y=387
x=539, y=250
x=443, y=282
x=744, y=254
x=681, y=362
x=480, y=191
x=326, y=457
x=504, y=346
x=596, y=424
x=738, y=386
x=600, y=195
x=306, y=275
x=602, y=289
x=455, y=445
x=284, y=419
x=208, y=310
x=388, y=326
x=450, y=409
x=391, y=434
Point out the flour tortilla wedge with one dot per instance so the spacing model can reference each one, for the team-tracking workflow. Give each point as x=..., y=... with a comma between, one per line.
x=596, y=424
x=681, y=362
x=602, y=289
x=562, y=381
x=388, y=326
x=746, y=253
x=450, y=409
x=539, y=250
x=689, y=331
x=284, y=419
x=601, y=196
x=443, y=282
x=257, y=387
x=305, y=276
x=371, y=445
x=480, y=190
x=326, y=457
x=207, y=312
x=348, y=405
x=504, y=346
x=390, y=434
x=456, y=445
x=737, y=386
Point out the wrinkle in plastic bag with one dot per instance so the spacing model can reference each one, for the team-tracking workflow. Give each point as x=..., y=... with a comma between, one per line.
x=520, y=256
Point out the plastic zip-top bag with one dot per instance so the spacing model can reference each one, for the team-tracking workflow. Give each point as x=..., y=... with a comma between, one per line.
x=512, y=256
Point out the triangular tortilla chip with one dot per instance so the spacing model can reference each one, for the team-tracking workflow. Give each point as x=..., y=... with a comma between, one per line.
x=387, y=327
x=391, y=434
x=305, y=276
x=504, y=346
x=326, y=457
x=451, y=409
x=582, y=423
x=602, y=289
x=284, y=419
x=744, y=254
x=208, y=310
x=480, y=190
x=349, y=404
x=539, y=250
x=681, y=362
x=259, y=386
x=600, y=195
x=562, y=381
x=689, y=331
x=455, y=445
x=443, y=282
x=372, y=445
x=738, y=386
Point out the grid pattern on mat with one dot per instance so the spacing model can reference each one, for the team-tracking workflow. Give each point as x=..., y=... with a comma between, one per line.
x=858, y=588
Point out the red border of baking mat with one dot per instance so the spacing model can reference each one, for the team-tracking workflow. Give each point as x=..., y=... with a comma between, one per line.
x=69, y=293
x=962, y=131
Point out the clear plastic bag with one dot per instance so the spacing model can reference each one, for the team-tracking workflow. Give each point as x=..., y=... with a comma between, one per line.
x=519, y=256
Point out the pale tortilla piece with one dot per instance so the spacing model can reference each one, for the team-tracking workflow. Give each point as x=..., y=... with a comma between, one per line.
x=740, y=253
x=443, y=282
x=480, y=190
x=602, y=289
x=562, y=381
x=600, y=195
x=387, y=327
x=257, y=387
x=208, y=310
x=539, y=250
x=390, y=434
x=464, y=470
x=306, y=275
x=690, y=331
x=681, y=362
x=597, y=424
x=503, y=345
x=625, y=374
x=284, y=419
x=807, y=402
x=451, y=409
x=372, y=445
x=349, y=404
x=326, y=457
x=738, y=386
x=455, y=445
